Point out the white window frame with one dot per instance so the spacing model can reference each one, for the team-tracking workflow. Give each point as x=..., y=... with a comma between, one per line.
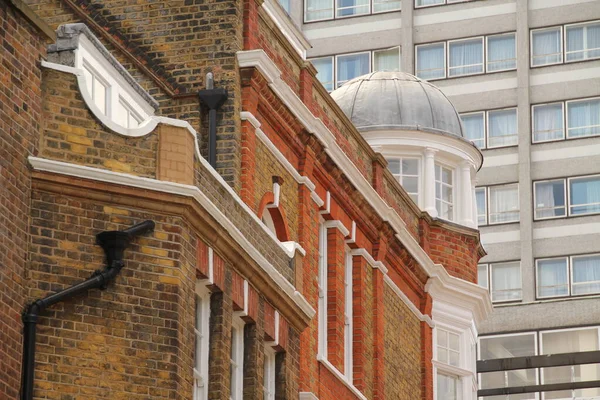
x=483, y=113
x=452, y=186
x=537, y=277
x=483, y=57
x=566, y=118
x=401, y=175
x=569, y=205
x=561, y=50
x=564, y=40
x=348, y=316
x=535, y=208
x=486, y=50
x=202, y=343
x=572, y=275
x=383, y=2
x=87, y=65
x=322, y=19
x=387, y=49
x=491, y=282
x=487, y=128
x=337, y=16
x=237, y=359
x=322, y=290
x=337, y=83
x=564, y=126
x=445, y=59
x=269, y=376
x=488, y=208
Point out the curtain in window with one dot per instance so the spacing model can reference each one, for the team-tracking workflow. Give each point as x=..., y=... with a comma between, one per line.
x=319, y=9
x=385, y=5
x=430, y=61
x=352, y=7
x=501, y=53
x=351, y=66
x=481, y=206
x=421, y=3
x=548, y=122
x=550, y=199
x=506, y=282
x=387, y=60
x=552, y=279
x=584, y=118
x=586, y=274
x=324, y=68
x=585, y=195
x=502, y=128
x=447, y=387
x=546, y=47
x=466, y=57
x=474, y=128
x=583, y=42
x=504, y=204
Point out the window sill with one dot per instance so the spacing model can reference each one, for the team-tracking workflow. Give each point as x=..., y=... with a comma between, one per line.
x=340, y=376
x=451, y=369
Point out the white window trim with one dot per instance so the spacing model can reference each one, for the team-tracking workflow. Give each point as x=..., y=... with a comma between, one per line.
x=491, y=282
x=486, y=48
x=489, y=198
x=466, y=377
x=237, y=359
x=382, y=50
x=568, y=200
x=483, y=114
x=487, y=128
x=564, y=40
x=445, y=59
x=419, y=175
x=535, y=209
x=322, y=19
x=561, y=50
x=571, y=274
x=348, y=316
x=337, y=16
x=483, y=57
x=201, y=376
x=454, y=187
x=537, y=277
x=322, y=290
x=566, y=118
x=564, y=129
x=269, y=374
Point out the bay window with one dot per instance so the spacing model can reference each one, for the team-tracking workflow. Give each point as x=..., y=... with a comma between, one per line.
x=549, y=199
x=548, y=122
x=501, y=52
x=505, y=281
x=450, y=358
x=448, y=387
x=474, y=124
x=584, y=195
x=502, y=128
x=552, y=276
x=546, y=46
x=581, y=42
x=346, y=8
x=444, y=196
x=583, y=118
x=406, y=171
x=431, y=61
x=465, y=57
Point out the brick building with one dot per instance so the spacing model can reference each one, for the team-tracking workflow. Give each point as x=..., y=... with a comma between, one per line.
x=294, y=267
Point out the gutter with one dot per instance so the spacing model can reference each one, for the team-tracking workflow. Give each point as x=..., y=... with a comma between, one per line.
x=114, y=244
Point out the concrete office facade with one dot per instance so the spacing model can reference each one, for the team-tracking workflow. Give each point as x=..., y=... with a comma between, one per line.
x=532, y=238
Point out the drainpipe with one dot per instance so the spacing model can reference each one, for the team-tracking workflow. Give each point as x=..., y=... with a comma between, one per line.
x=213, y=99
x=114, y=244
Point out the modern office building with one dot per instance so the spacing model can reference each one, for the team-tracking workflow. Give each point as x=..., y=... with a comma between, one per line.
x=525, y=76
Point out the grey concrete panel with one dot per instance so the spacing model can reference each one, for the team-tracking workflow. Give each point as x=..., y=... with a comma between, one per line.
x=464, y=28
x=354, y=43
x=498, y=175
x=568, y=89
x=564, y=15
x=566, y=167
x=498, y=252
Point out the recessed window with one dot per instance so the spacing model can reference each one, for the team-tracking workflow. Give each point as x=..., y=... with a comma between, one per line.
x=502, y=128
x=584, y=195
x=406, y=171
x=444, y=196
x=474, y=124
x=269, y=374
x=548, y=122
x=481, y=200
x=431, y=61
x=505, y=281
x=546, y=46
x=583, y=118
x=549, y=199
x=501, y=52
x=552, y=277
x=504, y=204
x=581, y=42
x=349, y=66
x=465, y=57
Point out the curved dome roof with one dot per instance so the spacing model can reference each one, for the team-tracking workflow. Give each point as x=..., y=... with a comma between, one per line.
x=396, y=100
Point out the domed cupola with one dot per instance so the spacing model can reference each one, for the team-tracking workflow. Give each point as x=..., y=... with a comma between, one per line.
x=418, y=130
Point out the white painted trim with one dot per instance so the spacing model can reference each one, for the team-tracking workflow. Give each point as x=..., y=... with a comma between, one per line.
x=422, y=317
x=326, y=204
x=369, y=258
x=341, y=377
x=287, y=27
x=479, y=299
x=335, y=223
x=85, y=172
x=464, y=15
x=292, y=247
x=352, y=238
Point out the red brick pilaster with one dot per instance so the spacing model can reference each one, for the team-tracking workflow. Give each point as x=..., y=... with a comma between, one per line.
x=335, y=298
x=250, y=24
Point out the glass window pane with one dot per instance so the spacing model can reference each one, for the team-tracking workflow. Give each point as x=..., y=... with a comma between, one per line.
x=583, y=118
x=431, y=61
x=504, y=204
x=506, y=281
x=100, y=95
x=466, y=57
x=474, y=128
x=421, y=3
x=502, y=128
x=480, y=194
x=584, y=195
x=552, y=277
x=318, y=9
x=548, y=122
x=586, y=274
x=387, y=60
x=482, y=275
x=350, y=66
x=546, y=46
x=448, y=387
x=453, y=342
x=550, y=199
x=386, y=5
x=352, y=7
x=394, y=166
x=410, y=184
x=502, y=52
x=583, y=41
x=410, y=166
x=324, y=68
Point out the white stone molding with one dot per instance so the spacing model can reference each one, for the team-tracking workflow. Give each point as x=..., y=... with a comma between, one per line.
x=429, y=186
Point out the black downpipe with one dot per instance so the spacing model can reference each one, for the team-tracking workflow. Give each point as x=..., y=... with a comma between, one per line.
x=213, y=99
x=114, y=244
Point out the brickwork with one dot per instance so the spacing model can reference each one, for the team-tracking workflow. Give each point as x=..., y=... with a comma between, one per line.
x=176, y=153
x=335, y=298
x=22, y=45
